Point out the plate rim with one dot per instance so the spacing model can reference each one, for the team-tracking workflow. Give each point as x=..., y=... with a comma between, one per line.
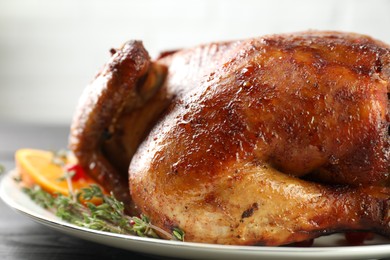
x=353, y=252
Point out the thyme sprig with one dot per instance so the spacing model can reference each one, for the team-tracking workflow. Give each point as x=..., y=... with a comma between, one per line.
x=108, y=216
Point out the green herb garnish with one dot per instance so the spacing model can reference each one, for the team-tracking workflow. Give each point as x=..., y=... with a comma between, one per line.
x=108, y=216
x=178, y=234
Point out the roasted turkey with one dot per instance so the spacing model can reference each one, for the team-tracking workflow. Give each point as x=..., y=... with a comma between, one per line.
x=264, y=141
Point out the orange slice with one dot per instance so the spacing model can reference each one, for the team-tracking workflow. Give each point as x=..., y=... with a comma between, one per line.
x=36, y=167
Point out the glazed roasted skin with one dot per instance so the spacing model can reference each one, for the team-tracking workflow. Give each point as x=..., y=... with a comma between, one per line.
x=269, y=141
x=113, y=115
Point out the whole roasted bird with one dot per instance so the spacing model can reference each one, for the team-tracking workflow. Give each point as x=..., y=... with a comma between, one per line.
x=269, y=141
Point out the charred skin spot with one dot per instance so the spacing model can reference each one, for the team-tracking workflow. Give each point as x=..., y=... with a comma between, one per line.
x=249, y=212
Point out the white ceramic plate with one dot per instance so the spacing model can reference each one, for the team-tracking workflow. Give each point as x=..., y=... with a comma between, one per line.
x=324, y=248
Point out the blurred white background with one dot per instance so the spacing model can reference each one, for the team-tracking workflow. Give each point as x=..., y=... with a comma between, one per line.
x=50, y=49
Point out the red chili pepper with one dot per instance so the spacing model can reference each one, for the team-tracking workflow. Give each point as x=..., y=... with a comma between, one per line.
x=78, y=172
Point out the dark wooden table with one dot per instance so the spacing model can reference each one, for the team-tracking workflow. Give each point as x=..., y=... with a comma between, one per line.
x=22, y=238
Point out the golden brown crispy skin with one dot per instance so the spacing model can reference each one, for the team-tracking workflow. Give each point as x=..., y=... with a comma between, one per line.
x=251, y=122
